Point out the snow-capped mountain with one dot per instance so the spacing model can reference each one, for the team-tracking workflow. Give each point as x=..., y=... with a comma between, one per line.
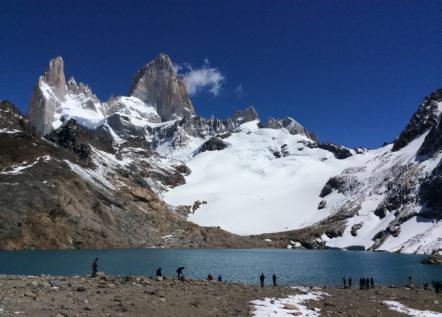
x=274, y=180
x=270, y=181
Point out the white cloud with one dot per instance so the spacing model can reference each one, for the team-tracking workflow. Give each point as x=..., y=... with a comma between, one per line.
x=239, y=91
x=206, y=78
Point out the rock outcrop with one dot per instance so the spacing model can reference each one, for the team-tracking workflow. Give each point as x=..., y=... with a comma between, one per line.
x=426, y=117
x=290, y=125
x=246, y=115
x=42, y=107
x=158, y=84
x=213, y=144
x=339, y=151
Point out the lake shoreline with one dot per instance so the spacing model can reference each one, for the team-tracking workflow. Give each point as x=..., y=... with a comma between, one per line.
x=59, y=296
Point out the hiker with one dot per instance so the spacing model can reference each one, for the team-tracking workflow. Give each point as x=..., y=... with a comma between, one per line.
x=367, y=283
x=371, y=282
x=94, y=267
x=437, y=286
x=361, y=283
x=179, y=273
x=349, y=282
x=410, y=281
x=220, y=278
x=345, y=282
x=274, y=280
x=261, y=279
x=210, y=277
x=159, y=273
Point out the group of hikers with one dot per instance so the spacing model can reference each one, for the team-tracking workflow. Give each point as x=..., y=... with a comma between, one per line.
x=180, y=274
x=262, y=278
x=364, y=282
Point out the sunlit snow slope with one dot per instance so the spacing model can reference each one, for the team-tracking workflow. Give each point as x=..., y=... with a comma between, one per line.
x=248, y=190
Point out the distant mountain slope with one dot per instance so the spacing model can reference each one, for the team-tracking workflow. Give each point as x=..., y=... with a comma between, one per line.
x=133, y=170
x=67, y=194
x=270, y=180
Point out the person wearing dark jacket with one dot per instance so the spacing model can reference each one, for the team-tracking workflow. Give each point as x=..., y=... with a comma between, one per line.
x=159, y=273
x=344, y=280
x=274, y=280
x=349, y=282
x=179, y=273
x=94, y=267
x=371, y=282
x=261, y=279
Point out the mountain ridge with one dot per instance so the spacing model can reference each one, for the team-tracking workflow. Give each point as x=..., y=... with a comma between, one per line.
x=238, y=173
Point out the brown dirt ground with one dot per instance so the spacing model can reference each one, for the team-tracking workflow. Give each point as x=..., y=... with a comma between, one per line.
x=142, y=296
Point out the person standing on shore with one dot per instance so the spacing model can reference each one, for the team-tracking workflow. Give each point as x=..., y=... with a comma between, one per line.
x=261, y=279
x=159, y=273
x=274, y=280
x=210, y=277
x=220, y=278
x=367, y=283
x=371, y=282
x=179, y=273
x=94, y=267
x=345, y=282
x=349, y=282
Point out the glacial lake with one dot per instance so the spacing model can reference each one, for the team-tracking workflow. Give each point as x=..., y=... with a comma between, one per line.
x=293, y=267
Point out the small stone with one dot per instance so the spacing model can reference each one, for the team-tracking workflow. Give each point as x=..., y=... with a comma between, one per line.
x=81, y=288
x=290, y=307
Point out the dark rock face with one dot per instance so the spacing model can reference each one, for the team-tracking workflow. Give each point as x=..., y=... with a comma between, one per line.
x=433, y=141
x=355, y=228
x=12, y=120
x=381, y=212
x=345, y=183
x=430, y=191
x=425, y=118
x=340, y=152
x=401, y=186
x=66, y=136
x=322, y=204
x=213, y=144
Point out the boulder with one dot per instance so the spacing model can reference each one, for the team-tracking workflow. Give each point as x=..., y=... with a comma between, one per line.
x=213, y=144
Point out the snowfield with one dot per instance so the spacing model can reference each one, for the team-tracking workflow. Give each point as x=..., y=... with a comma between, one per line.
x=290, y=306
x=248, y=190
x=396, y=306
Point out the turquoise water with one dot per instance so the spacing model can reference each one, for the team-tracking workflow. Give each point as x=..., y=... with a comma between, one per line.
x=293, y=267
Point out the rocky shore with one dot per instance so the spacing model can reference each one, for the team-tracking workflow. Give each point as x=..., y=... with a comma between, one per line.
x=142, y=296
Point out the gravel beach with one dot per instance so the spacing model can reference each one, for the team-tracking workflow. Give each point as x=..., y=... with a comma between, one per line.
x=142, y=296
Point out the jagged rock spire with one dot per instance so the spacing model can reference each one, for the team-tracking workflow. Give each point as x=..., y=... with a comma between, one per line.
x=41, y=106
x=158, y=84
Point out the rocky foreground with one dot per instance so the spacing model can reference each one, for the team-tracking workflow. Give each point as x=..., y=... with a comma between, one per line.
x=142, y=296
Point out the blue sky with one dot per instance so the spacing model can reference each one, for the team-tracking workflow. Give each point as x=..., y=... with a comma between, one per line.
x=353, y=72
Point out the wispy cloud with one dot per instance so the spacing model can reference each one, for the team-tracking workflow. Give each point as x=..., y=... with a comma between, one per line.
x=239, y=91
x=206, y=78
